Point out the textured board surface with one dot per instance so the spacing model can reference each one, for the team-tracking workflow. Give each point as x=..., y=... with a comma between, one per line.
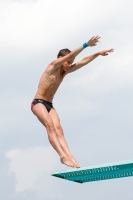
x=98, y=172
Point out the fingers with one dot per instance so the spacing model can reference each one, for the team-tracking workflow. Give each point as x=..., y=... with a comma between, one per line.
x=92, y=42
x=111, y=50
x=105, y=53
x=96, y=38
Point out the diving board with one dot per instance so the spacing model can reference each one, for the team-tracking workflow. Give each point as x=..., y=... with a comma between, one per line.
x=98, y=172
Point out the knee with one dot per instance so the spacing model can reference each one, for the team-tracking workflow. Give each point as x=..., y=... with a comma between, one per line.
x=50, y=127
x=59, y=131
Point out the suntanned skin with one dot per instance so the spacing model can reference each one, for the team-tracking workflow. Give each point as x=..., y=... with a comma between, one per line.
x=48, y=85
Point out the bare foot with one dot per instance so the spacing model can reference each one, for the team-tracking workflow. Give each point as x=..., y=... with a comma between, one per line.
x=68, y=161
x=75, y=162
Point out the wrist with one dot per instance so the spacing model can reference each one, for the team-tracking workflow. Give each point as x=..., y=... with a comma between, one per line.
x=85, y=45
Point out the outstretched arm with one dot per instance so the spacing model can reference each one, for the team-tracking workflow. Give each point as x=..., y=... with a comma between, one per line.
x=88, y=59
x=92, y=42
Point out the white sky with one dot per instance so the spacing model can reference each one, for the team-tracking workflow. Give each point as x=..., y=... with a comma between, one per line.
x=94, y=103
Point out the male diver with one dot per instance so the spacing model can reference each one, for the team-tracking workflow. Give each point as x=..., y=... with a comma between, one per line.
x=50, y=80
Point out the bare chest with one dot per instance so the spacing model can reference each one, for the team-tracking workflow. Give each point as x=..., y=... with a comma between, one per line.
x=52, y=80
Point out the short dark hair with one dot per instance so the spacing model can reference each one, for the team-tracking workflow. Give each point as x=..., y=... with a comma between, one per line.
x=63, y=52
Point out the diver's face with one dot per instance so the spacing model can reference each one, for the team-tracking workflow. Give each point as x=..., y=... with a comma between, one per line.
x=67, y=65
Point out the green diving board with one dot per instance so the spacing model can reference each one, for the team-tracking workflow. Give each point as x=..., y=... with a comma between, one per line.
x=98, y=172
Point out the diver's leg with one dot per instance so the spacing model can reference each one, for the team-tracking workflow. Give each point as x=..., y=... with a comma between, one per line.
x=60, y=135
x=42, y=114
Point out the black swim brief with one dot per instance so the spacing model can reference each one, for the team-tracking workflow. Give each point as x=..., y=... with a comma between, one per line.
x=47, y=104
